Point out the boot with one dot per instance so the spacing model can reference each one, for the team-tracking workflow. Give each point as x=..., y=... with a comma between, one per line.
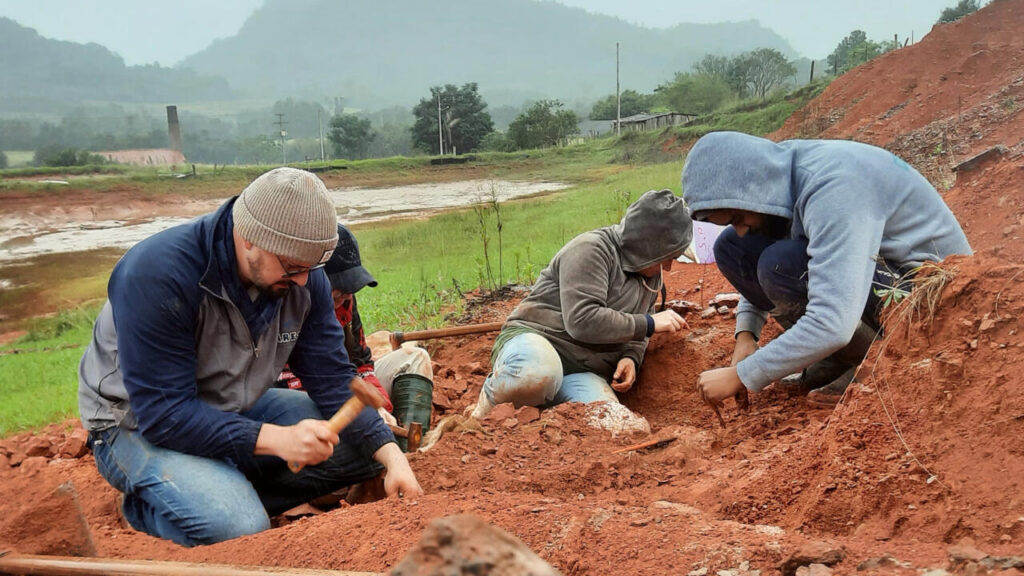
x=412, y=396
x=832, y=393
x=834, y=372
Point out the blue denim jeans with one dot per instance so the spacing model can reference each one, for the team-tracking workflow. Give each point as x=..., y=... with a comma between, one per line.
x=528, y=372
x=194, y=500
x=772, y=275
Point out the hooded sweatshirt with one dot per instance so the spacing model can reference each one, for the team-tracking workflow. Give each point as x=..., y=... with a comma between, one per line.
x=590, y=302
x=852, y=203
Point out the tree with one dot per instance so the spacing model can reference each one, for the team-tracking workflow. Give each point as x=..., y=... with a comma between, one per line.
x=3, y=160
x=350, y=136
x=55, y=155
x=497, y=142
x=714, y=66
x=766, y=68
x=632, y=102
x=963, y=8
x=464, y=119
x=543, y=124
x=693, y=93
x=853, y=51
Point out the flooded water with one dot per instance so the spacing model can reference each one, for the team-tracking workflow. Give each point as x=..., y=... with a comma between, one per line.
x=27, y=235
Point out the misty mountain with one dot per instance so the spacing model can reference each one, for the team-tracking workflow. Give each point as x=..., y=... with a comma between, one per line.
x=386, y=52
x=47, y=76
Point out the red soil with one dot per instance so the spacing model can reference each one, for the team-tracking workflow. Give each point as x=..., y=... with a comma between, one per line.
x=924, y=451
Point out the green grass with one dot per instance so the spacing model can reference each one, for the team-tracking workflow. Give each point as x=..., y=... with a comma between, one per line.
x=19, y=158
x=754, y=116
x=39, y=383
x=422, y=265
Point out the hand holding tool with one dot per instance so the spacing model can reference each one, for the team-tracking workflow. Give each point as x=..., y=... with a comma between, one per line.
x=363, y=395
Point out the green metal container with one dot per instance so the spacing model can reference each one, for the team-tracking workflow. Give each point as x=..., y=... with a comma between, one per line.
x=412, y=396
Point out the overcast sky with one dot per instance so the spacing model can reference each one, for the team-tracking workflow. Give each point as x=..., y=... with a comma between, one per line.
x=142, y=32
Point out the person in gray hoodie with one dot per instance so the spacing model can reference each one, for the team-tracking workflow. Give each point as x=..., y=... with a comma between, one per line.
x=581, y=334
x=819, y=231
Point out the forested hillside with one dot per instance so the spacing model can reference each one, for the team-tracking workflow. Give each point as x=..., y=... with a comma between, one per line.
x=391, y=51
x=42, y=75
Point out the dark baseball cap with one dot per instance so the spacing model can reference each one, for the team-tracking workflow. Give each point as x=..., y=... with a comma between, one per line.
x=345, y=269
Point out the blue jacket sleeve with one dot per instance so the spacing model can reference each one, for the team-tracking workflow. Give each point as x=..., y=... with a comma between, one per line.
x=321, y=362
x=155, y=316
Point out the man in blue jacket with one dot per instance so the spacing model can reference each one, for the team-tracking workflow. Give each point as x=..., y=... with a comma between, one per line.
x=818, y=231
x=176, y=386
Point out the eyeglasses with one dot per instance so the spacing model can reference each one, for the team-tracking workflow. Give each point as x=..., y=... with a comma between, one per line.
x=296, y=271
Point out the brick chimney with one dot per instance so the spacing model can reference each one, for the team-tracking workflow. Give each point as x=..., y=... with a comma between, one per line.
x=173, y=128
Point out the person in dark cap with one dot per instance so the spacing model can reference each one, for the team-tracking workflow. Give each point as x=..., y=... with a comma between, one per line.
x=581, y=334
x=176, y=386
x=347, y=275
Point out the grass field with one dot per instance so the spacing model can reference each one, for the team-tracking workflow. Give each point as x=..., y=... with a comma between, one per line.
x=19, y=158
x=420, y=264
x=38, y=374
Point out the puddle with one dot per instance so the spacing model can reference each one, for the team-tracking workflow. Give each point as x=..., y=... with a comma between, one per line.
x=368, y=204
x=27, y=235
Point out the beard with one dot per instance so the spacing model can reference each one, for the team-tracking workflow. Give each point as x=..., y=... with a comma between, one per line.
x=276, y=290
x=270, y=287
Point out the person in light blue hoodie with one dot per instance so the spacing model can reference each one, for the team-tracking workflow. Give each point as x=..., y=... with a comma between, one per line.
x=818, y=232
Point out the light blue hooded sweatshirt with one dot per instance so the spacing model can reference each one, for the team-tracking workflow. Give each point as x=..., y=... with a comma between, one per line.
x=852, y=202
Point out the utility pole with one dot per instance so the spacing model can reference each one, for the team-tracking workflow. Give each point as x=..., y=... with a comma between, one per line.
x=320, y=131
x=618, y=99
x=280, y=128
x=440, y=137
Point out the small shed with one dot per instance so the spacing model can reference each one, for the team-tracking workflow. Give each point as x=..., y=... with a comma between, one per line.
x=644, y=122
x=145, y=157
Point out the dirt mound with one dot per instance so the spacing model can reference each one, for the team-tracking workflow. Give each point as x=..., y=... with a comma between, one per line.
x=782, y=479
x=956, y=93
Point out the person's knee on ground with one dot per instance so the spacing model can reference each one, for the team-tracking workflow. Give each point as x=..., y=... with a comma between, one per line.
x=585, y=388
x=527, y=372
x=203, y=526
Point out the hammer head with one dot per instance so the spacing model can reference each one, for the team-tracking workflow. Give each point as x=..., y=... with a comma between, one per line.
x=367, y=393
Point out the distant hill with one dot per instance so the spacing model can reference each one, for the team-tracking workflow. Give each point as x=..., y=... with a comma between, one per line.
x=50, y=76
x=388, y=52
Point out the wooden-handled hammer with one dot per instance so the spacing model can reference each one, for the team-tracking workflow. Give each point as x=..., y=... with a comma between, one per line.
x=363, y=395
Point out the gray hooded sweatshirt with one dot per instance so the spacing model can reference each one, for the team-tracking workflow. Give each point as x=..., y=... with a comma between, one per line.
x=852, y=203
x=590, y=302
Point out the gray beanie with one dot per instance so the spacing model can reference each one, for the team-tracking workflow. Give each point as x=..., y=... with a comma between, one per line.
x=288, y=212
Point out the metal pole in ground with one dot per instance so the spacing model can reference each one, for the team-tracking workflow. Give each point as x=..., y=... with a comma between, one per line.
x=618, y=100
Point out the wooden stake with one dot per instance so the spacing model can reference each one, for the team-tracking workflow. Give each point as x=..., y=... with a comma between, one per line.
x=70, y=566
